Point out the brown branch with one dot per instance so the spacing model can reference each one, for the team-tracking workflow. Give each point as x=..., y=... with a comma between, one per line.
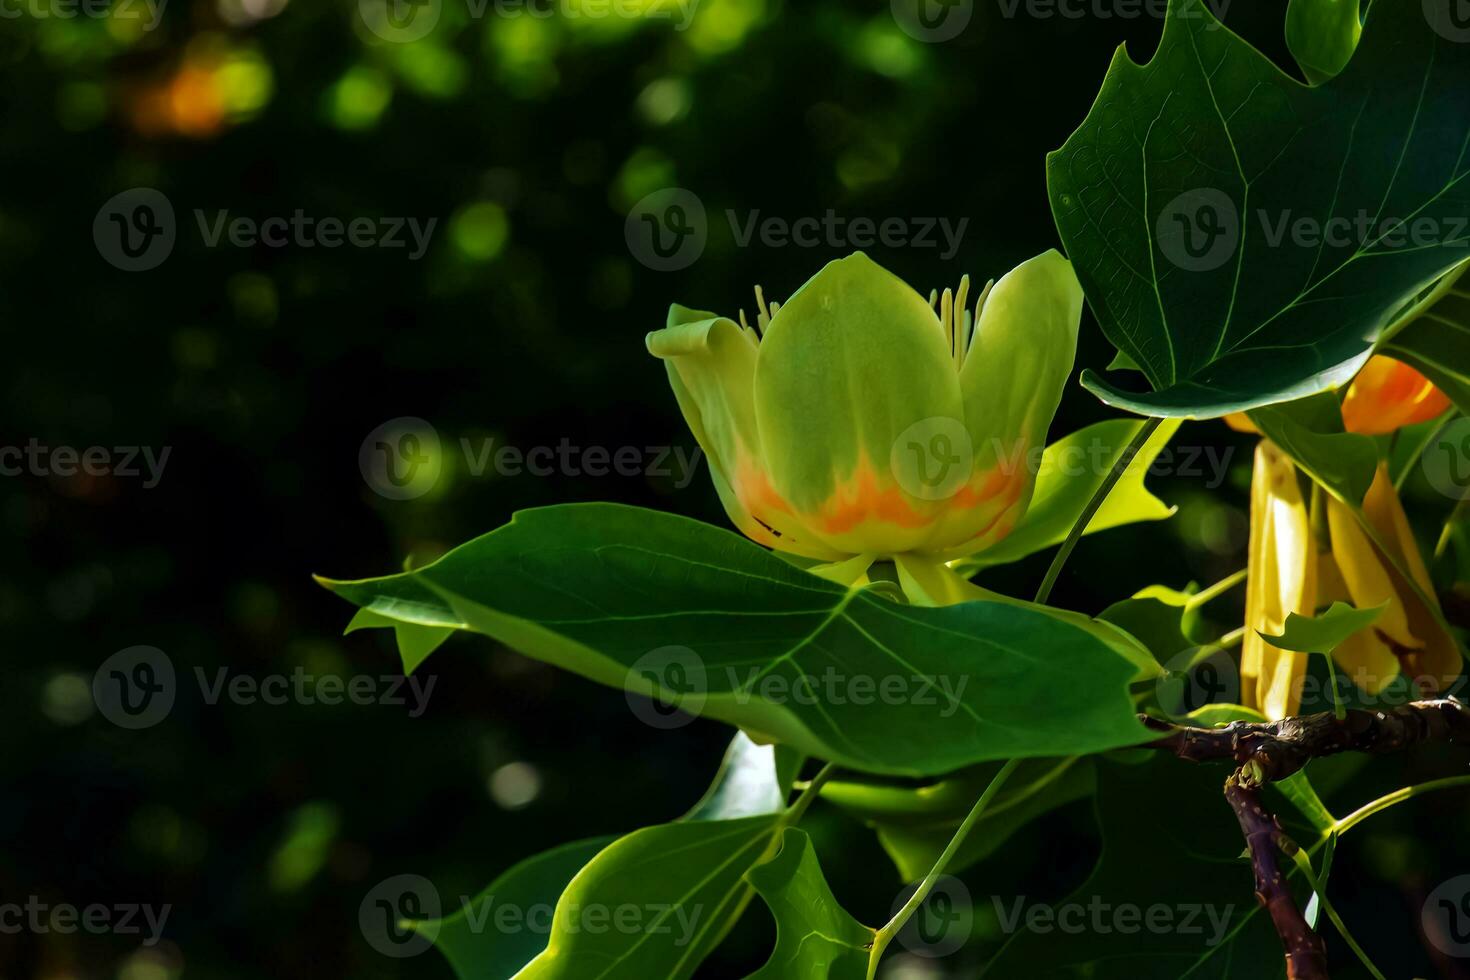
x=1306, y=954
x=1268, y=751
x=1280, y=748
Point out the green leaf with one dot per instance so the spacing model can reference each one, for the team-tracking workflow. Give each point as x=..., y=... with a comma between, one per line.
x=661, y=605
x=1436, y=341
x=1310, y=431
x=504, y=927
x=684, y=884
x=415, y=642
x=1191, y=200
x=1322, y=35
x=1160, y=624
x=815, y=938
x=1314, y=904
x=1303, y=797
x=915, y=823
x=619, y=898
x=1071, y=470
x=1325, y=632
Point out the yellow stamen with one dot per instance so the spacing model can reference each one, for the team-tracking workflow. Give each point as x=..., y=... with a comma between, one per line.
x=961, y=339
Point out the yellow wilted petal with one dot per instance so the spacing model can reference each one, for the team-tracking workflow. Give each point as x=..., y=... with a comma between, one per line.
x=1282, y=579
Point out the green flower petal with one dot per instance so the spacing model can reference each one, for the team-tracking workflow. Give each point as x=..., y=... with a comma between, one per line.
x=1012, y=379
x=711, y=364
x=854, y=369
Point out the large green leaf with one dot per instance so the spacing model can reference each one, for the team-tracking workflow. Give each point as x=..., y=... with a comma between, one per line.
x=1193, y=199
x=1071, y=470
x=663, y=606
x=815, y=938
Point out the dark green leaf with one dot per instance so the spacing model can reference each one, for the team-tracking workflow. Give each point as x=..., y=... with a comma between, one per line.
x=1171, y=849
x=815, y=938
x=1437, y=341
x=661, y=605
x=1245, y=238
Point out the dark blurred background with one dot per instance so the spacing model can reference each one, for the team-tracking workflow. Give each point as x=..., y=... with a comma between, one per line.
x=528, y=136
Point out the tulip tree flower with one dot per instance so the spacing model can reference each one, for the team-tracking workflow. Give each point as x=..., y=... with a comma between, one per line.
x=1388, y=395
x=1408, y=637
x=857, y=421
x=1288, y=574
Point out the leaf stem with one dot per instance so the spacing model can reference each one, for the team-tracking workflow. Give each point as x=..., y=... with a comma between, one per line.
x=1397, y=796
x=1120, y=466
x=885, y=935
x=1304, y=865
x=1448, y=532
x=809, y=792
x=1215, y=591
